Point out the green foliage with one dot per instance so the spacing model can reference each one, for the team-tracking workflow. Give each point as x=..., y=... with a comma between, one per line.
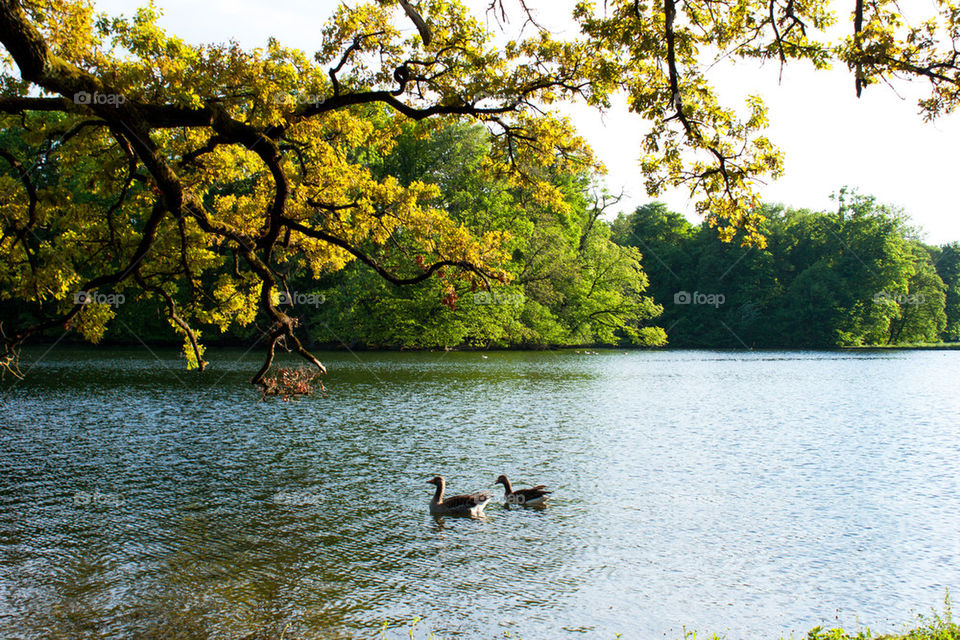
x=853, y=277
x=569, y=284
x=947, y=263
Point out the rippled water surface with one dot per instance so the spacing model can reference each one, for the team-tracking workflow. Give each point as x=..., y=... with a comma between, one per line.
x=753, y=494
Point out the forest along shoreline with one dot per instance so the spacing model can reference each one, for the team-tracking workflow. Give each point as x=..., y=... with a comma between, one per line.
x=816, y=285
x=577, y=277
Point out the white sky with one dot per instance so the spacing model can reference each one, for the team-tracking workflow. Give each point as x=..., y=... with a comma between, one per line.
x=877, y=144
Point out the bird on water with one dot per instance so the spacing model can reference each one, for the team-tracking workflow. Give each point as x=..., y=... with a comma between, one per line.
x=471, y=504
x=526, y=497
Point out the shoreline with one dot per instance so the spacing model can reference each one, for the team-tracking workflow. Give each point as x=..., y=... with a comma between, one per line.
x=239, y=344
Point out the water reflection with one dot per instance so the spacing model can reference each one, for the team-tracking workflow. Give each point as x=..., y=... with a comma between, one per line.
x=752, y=494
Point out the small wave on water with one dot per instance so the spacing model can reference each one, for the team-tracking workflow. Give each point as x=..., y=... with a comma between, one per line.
x=752, y=494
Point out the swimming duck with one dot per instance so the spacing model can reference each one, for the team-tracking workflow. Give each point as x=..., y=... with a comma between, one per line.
x=464, y=505
x=526, y=497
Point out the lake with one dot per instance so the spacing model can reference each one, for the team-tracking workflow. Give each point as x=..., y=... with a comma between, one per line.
x=753, y=494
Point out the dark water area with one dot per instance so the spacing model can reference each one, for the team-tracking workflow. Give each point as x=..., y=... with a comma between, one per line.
x=755, y=494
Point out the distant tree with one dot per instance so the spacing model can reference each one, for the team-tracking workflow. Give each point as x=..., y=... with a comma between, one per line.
x=851, y=277
x=842, y=262
x=921, y=316
x=947, y=263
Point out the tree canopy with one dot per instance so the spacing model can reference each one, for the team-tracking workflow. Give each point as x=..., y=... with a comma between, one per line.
x=857, y=276
x=206, y=176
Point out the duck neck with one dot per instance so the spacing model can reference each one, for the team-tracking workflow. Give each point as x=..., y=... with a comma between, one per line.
x=438, y=494
x=507, y=487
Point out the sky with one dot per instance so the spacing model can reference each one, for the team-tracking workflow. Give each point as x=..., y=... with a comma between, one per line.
x=877, y=144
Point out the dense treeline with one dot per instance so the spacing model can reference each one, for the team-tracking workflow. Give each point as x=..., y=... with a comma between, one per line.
x=855, y=276
x=566, y=283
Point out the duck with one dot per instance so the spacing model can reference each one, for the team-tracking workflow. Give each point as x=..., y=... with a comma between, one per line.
x=470, y=505
x=526, y=497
